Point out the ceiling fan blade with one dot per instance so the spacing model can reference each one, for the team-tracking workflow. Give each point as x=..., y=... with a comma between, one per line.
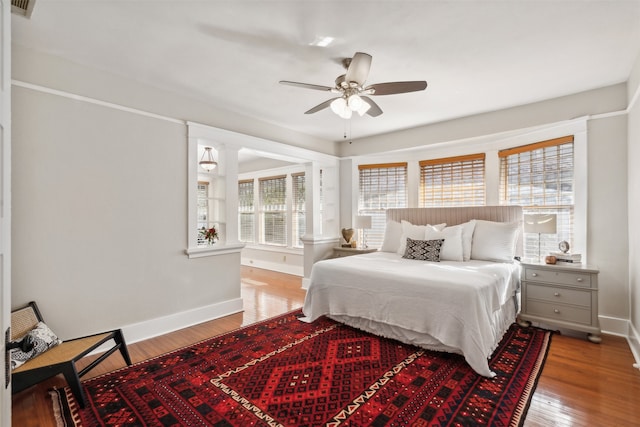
x=396, y=87
x=319, y=107
x=375, y=110
x=358, y=70
x=306, y=85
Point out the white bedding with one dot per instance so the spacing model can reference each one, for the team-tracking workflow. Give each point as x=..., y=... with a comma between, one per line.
x=465, y=306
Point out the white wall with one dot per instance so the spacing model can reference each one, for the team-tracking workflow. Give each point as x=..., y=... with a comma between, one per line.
x=607, y=217
x=607, y=225
x=633, y=145
x=100, y=202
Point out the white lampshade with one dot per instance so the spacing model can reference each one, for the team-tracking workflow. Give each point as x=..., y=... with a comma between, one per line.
x=338, y=106
x=355, y=102
x=540, y=223
x=365, y=107
x=362, y=222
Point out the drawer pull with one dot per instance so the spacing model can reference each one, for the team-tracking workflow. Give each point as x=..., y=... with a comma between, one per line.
x=534, y=274
x=556, y=294
x=579, y=279
x=556, y=311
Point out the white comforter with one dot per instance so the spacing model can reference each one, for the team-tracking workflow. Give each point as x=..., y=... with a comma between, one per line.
x=454, y=302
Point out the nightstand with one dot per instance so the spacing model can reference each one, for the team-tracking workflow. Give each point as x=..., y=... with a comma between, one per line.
x=563, y=295
x=340, y=252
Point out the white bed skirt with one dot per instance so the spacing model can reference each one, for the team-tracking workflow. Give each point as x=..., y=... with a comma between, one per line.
x=502, y=320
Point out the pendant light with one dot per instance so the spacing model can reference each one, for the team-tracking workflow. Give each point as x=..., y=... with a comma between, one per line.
x=206, y=162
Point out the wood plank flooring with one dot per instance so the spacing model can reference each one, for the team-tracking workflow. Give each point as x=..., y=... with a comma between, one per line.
x=582, y=384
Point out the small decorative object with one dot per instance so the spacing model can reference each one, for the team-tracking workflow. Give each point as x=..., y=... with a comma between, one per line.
x=550, y=259
x=354, y=244
x=209, y=234
x=564, y=246
x=347, y=234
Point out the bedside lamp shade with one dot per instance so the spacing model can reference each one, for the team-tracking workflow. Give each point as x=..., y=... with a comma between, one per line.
x=362, y=222
x=540, y=224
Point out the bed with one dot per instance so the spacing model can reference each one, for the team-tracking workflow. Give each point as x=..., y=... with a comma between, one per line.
x=463, y=303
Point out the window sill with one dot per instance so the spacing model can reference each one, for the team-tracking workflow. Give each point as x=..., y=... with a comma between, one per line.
x=213, y=250
x=273, y=248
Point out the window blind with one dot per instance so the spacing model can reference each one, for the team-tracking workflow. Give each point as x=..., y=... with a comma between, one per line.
x=298, y=206
x=540, y=178
x=246, y=211
x=381, y=186
x=453, y=181
x=273, y=210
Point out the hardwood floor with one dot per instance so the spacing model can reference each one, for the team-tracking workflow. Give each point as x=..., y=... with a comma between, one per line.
x=582, y=384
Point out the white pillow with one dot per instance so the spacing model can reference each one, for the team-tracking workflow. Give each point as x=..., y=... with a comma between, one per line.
x=392, y=234
x=467, y=237
x=415, y=232
x=495, y=241
x=452, y=246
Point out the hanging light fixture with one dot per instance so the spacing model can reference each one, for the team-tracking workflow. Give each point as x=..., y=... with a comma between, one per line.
x=206, y=162
x=346, y=105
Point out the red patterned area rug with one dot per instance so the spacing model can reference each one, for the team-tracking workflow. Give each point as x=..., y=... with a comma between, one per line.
x=284, y=372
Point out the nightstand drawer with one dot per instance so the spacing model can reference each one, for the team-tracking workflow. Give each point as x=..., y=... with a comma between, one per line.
x=561, y=295
x=559, y=312
x=558, y=277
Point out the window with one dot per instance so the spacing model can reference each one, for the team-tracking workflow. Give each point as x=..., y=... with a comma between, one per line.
x=540, y=178
x=452, y=181
x=298, y=204
x=273, y=210
x=381, y=186
x=246, y=212
x=203, y=214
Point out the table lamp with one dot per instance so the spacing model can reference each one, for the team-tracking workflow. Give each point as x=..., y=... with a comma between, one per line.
x=363, y=222
x=541, y=224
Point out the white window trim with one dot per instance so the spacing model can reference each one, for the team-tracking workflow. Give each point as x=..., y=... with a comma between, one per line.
x=232, y=143
x=228, y=162
x=287, y=170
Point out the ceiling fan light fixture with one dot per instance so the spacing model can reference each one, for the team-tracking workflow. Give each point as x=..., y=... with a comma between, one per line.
x=364, y=108
x=338, y=106
x=355, y=102
x=352, y=94
x=206, y=161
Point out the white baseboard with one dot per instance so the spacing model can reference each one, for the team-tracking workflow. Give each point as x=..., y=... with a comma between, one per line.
x=614, y=326
x=295, y=270
x=623, y=328
x=162, y=325
x=634, y=344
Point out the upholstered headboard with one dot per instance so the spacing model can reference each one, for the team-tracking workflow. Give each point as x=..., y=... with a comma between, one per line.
x=455, y=216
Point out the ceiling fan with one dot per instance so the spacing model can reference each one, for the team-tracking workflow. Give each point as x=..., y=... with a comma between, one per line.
x=353, y=94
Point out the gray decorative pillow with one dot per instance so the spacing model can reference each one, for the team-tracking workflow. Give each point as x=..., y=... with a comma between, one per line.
x=424, y=250
x=38, y=340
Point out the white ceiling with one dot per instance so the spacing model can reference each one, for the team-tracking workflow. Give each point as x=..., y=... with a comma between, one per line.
x=476, y=56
